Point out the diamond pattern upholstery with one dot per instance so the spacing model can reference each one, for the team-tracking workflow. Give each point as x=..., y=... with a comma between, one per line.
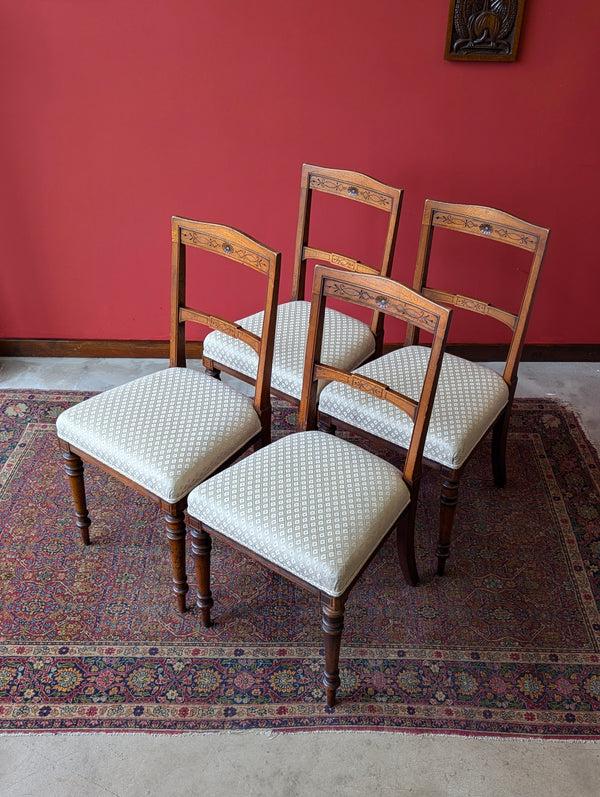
x=310, y=503
x=167, y=431
x=468, y=400
x=347, y=342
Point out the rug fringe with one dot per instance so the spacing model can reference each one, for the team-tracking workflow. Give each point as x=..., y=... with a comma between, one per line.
x=276, y=733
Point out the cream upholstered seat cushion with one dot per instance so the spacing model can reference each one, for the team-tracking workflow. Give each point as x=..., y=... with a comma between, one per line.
x=468, y=400
x=166, y=432
x=311, y=503
x=347, y=342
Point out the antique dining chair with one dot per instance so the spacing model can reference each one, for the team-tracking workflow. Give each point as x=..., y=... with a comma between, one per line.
x=471, y=398
x=314, y=507
x=166, y=432
x=347, y=341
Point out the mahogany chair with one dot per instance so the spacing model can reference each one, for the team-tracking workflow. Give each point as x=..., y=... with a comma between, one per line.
x=347, y=341
x=471, y=399
x=314, y=507
x=165, y=433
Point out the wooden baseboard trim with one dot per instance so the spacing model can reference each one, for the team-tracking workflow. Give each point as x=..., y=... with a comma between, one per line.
x=22, y=347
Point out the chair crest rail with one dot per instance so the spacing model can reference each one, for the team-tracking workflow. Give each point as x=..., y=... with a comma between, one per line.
x=226, y=247
x=406, y=310
x=484, y=227
x=336, y=186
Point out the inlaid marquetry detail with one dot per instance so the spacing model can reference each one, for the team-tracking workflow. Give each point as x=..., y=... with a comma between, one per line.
x=330, y=185
x=214, y=243
x=406, y=310
x=344, y=262
x=338, y=260
x=472, y=304
x=476, y=226
x=475, y=305
x=222, y=325
x=369, y=386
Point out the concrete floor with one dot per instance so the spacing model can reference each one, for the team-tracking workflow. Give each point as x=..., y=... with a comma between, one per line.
x=296, y=764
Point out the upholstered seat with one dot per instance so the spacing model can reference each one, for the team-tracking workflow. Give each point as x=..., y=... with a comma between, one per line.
x=313, y=507
x=468, y=400
x=310, y=503
x=471, y=399
x=347, y=342
x=167, y=431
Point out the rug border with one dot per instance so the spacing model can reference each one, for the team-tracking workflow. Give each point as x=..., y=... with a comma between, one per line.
x=590, y=455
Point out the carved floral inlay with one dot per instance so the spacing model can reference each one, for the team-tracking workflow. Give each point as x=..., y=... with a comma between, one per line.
x=477, y=226
x=345, y=262
x=342, y=187
x=471, y=304
x=217, y=244
x=409, y=312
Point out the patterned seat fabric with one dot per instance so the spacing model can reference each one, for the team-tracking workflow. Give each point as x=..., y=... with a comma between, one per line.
x=157, y=430
x=311, y=503
x=468, y=400
x=347, y=342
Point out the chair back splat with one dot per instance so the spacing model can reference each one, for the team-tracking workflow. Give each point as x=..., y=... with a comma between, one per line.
x=492, y=225
x=239, y=247
x=472, y=399
x=165, y=433
x=348, y=341
x=314, y=507
x=395, y=300
x=355, y=187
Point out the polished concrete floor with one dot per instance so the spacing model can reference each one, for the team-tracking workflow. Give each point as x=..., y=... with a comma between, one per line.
x=296, y=764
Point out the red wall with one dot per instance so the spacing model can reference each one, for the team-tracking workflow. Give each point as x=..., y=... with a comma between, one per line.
x=120, y=113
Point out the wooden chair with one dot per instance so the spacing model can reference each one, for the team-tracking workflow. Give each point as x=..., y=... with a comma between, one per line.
x=314, y=507
x=165, y=433
x=348, y=342
x=471, y=398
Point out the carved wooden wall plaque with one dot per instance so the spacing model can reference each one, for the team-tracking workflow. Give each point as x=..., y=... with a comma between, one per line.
x=483, y=30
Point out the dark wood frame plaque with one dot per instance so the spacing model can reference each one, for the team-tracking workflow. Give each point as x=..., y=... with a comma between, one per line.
x=483, y=30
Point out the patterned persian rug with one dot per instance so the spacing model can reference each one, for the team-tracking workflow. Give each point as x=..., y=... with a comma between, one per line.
x=506, y=643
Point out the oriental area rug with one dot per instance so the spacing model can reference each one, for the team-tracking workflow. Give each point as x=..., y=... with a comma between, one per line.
x=507, y=643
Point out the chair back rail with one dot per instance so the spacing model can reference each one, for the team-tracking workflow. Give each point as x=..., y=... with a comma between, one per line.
x=493, y=225
x=391, y=298
x=355, y=187
x=235, y=245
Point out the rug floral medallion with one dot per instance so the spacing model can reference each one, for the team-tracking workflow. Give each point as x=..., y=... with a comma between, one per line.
x=506, y=643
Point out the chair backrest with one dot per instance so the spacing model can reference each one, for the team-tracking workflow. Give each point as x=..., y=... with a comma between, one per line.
x=355, y=187
x=493, y=225
x=391, y=298
x=234, y=245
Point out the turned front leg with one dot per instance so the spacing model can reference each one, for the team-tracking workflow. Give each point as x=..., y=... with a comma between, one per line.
x=201, y=548
x=74, y=470
x=448, y=502
x=499, y=440
x=176, y=536
x=333, y=625
x=405, y=538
